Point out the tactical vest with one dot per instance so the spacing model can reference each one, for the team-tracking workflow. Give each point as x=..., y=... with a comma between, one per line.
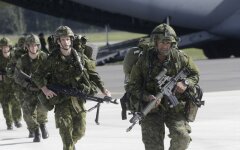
x=31, y=65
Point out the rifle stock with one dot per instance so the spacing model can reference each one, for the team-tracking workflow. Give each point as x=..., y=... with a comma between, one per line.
x=138, y=116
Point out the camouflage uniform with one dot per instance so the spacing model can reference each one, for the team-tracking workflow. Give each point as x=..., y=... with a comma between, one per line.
x=131, y=58
x=52, y=45
x=11, y=106
x=34, y=113
x=70, y=115
x=18, y=52
x=43, y=43
x=143, y=83
x=80, y=45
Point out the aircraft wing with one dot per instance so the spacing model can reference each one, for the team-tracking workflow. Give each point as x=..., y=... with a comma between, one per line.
x=217, y=20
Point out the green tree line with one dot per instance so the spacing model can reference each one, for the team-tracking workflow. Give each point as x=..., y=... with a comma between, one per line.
x=16, y=20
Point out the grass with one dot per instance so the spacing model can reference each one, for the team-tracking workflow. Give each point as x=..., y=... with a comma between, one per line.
x=96, y=37
x=112, y=36
x=13, y=38
x=195, y=53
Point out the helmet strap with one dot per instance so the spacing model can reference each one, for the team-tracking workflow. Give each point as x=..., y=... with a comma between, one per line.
x=61, y=46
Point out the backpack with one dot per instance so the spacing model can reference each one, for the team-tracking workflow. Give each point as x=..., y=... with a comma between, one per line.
x=129, y=61
x=132, y=57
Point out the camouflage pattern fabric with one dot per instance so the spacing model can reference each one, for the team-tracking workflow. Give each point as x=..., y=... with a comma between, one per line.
x=69, y=114
x=72, y=125
x=11, y=106
x=79, y=43
x=153, y=130
x=88, y=51
x=34, y=114
x=146, y=69
x=18, y=52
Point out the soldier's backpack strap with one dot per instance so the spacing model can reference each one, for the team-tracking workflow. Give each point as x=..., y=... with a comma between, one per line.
x=149, y=56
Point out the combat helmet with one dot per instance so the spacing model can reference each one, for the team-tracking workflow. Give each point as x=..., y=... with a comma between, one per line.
x=163, y=32
x=5, y=42
x=77, y=39
x=21, y=41
x=63, y=31
x=32, y=39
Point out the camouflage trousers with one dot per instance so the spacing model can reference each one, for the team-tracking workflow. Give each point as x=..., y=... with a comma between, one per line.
x=153, y=130
x=11, y=108
x=19, y=94
x=34, y=113
x=71, y=123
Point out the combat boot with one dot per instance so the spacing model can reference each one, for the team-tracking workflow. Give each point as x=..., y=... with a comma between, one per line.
x=37, y=137
x=9, y=127
x=44, y=131
x=17, y=124
x=31, y=134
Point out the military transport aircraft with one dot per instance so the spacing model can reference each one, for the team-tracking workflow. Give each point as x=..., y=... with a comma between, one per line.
x=211, y=25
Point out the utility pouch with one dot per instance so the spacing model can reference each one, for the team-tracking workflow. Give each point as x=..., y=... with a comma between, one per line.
x=125, y=102
x=45, y=102
x=191, y=111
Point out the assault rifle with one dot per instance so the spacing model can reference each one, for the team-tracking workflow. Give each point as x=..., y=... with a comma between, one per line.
x=69, y=91
x=24, y=80
x=166, y=86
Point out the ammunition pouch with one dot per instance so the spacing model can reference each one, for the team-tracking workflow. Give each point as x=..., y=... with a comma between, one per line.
x=44, y=101
x=125, y=102
x=191, y=111
x=193, y=97
x=129, y=103
x=90, y=90
x=49, y=103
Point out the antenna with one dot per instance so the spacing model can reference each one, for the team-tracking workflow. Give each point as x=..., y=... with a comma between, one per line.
x=167, y=20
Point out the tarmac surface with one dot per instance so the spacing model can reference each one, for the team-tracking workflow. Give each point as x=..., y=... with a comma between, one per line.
x=217, y=126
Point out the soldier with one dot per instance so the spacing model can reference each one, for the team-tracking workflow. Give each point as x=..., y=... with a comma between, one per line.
x=52, y=45
x=18, y=52
x=34, y=113
x=43, y=43
x=162, y=54
x=11, y=106
x=63, y=68
x=80, y=44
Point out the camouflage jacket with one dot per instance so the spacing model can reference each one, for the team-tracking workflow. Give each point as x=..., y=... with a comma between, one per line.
x=148, y=67
x=6, y=81
x=28, y=66
x=18, y=52
x=65, y=71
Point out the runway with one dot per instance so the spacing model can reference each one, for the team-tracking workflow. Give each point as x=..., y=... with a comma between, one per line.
x=217, y=126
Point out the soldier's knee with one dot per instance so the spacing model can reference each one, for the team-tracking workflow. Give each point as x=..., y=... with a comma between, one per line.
x=180, y=140
x=81, y=134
